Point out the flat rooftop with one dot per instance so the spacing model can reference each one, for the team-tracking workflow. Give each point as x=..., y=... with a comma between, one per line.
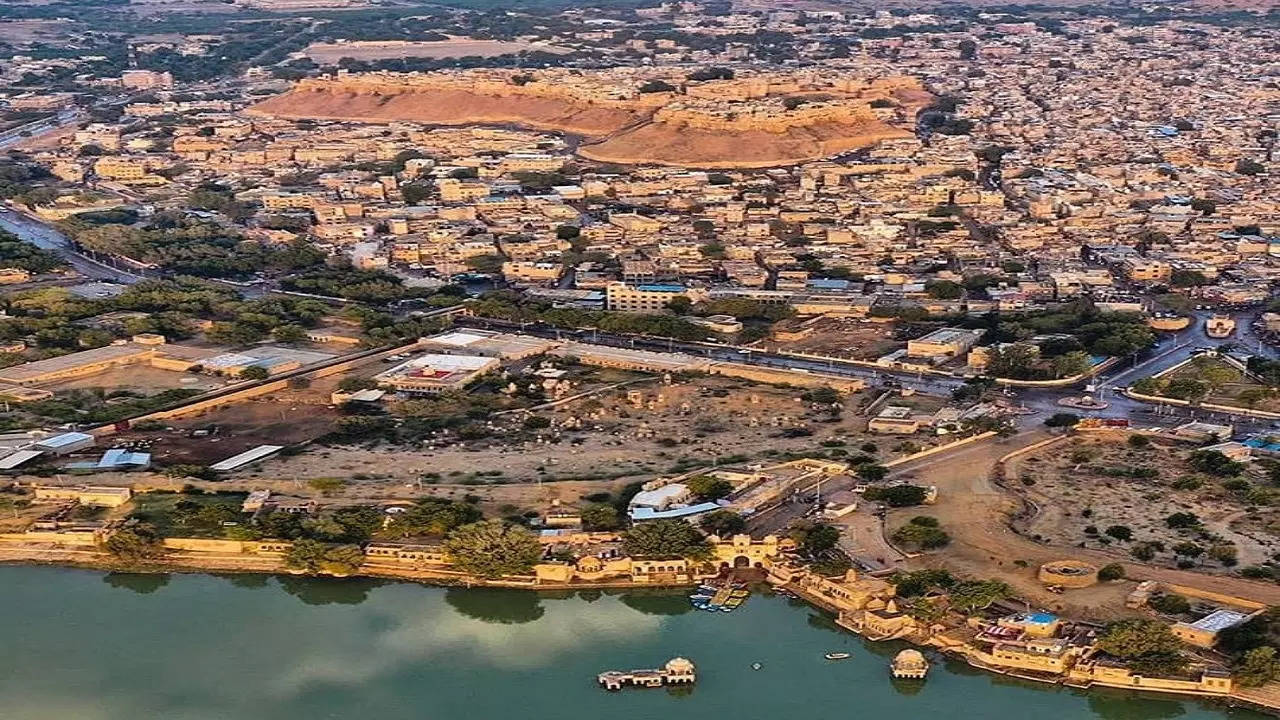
x=438, y=366
x=491, y=343
x=1219, y=620
x=672, y=362
x=946, y=335
x=28, y=372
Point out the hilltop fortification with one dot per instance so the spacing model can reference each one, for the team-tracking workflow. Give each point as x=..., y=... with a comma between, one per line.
x=635, y=116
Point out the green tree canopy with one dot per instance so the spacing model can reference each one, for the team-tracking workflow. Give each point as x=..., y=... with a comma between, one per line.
x=665, y=539
x=493, y=548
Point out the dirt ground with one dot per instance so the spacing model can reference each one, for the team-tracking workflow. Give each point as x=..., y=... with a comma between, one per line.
x=675, y=428
x=854, y=338
x=1074, y=493
x=141, y=378
x=293, y=416
x=977, y=514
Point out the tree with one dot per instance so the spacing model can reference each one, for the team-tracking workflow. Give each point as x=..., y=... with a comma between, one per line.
x=135, y=544
x=1214, y=462
x=290, y=333
x=433, y=516
x=489, y=264
x=968, y=49
x=944, y=289
x=254, y=372
x=665, y=539
x=493, y=548
x=680, y=304
x=722, y=523
x=1011, y=361
x=1258, y=666
x=1138, y=442
x=872, y=472
x=1170, y=603
x=1120, y=532
x=1138, y=638
x=708, y=488
x=1182, y=520
x=814, y=538
x=972, y=595
x=314, y=556
x=600, y=516
x=1071, y=364
x=1114, y=571
x=1183, y=278
x=1249, y=166
x=897, y=495
x=1062, y=420
x=923, y=532
x=1143, y=551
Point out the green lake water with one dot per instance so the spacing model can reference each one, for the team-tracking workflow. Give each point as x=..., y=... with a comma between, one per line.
x=83, y=645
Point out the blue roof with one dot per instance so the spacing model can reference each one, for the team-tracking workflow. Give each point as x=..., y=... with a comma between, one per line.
x=64, y=439
x=829, y=284
x=119, y=458
x=647, y=513
x=661, y=288
x=1041, y=618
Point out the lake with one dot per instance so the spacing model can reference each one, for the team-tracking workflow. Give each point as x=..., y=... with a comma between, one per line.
x=88, y=645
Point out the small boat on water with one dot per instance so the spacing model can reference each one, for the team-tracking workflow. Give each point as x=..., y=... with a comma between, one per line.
x=756, y=666
x=836, y=656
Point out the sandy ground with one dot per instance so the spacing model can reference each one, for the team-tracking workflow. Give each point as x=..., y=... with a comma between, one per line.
x=1064, y=488
x=838, y=337
x=331, y=53
x=671, y=144
x=143, y=379
x=976, y=512
x=449, y=107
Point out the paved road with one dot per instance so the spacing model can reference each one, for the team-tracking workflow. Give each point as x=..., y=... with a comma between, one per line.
x=47, y=237
x=14, y=136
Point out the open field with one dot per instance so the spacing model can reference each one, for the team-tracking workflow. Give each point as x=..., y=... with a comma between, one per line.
x=1212, y=380
x=978, y=513
x=692, y=424
x=454, y=47
x=144, y=379
x=833, y=337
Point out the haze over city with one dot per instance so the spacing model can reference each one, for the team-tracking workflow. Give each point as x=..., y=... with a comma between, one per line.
x=647, y=358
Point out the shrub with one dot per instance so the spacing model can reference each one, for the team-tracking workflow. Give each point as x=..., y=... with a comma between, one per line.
x=1114, y=571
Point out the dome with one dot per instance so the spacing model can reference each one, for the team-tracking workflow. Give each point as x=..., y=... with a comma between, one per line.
x=909, y=657
x=679, y=665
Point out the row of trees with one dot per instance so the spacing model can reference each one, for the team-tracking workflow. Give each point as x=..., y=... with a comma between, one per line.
x=16, y=253
x=508, y=306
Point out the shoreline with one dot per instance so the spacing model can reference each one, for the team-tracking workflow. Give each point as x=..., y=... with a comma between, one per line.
x=205, y=565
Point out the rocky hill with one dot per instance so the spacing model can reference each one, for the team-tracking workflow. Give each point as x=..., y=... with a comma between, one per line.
x=728, y=125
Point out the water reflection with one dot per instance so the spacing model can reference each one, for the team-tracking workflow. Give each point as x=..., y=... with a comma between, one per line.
x=905, y=686
x=141, y=583
x=329, y=591
x=506, y=607
x=656, y=602
x=1119, y=705
x=246, y=580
